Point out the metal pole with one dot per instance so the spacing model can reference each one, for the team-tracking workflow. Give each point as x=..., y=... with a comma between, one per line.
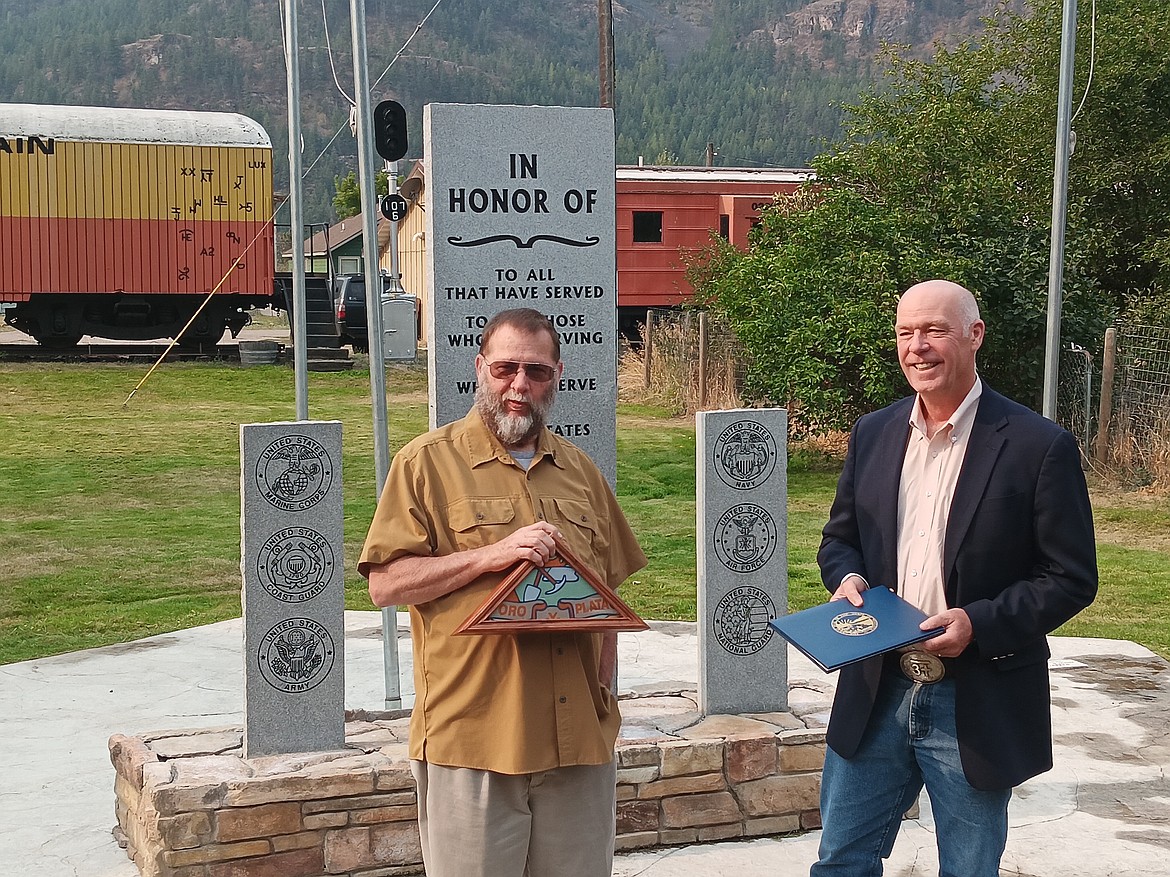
x=300, y=318
x=365, y=138
x=1068, y=38
x=392, y=189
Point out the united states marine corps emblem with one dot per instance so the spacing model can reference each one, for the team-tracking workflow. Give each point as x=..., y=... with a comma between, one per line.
x=294, y=473
x=745, y=537
x=745, y=455
x=296, y=655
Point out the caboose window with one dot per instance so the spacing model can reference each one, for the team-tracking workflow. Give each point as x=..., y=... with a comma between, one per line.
x=647, y=226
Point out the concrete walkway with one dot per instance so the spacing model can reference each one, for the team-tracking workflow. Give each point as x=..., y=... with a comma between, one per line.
x=1104, y=809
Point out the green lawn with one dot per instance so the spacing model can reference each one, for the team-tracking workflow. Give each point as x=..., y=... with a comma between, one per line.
x=121, y=522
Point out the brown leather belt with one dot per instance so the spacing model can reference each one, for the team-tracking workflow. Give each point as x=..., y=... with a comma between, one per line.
x=919, y=666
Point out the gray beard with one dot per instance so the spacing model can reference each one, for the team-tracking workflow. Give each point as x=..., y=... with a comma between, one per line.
x=513, y=430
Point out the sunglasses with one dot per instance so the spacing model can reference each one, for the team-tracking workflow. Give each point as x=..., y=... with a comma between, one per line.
x=535, y=371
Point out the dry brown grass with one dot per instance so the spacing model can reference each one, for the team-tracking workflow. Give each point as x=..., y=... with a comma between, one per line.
x=674, y=368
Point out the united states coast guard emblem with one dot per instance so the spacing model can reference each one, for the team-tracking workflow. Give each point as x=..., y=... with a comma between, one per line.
x=295, y=564
x=854, y=623
x=745, y=537
x=296, y=655
x=294, y=473
x=745, y=455
x=741, y=620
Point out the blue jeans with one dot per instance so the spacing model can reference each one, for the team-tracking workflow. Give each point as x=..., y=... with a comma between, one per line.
x=910, y=741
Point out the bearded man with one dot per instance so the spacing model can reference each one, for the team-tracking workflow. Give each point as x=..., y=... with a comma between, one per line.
x=512, y=735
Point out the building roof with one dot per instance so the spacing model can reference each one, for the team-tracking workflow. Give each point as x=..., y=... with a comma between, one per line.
x=677, y=174
x=127, y=125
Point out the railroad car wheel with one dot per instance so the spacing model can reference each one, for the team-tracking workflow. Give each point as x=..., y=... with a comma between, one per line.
x=57, y=342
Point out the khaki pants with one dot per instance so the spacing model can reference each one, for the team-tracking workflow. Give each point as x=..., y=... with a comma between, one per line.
x=476, y=823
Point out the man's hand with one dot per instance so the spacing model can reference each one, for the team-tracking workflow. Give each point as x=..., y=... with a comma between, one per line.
x=850, y=589
x=533, y=543
x=417, y=579
x=957, y=637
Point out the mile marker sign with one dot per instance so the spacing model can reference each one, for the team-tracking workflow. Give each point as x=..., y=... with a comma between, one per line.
x=393, y=207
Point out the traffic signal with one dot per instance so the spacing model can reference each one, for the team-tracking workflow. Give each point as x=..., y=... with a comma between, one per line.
x=390, y=130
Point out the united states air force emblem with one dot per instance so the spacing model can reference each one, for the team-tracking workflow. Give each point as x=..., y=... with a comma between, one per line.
x=741, y=620
x=745, y=455
x=745, y=537
x=294, y=473
x=295, y=655
x=295, y=564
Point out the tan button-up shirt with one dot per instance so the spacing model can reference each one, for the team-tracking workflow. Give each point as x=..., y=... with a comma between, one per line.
x=510, y=703
x=930, y=472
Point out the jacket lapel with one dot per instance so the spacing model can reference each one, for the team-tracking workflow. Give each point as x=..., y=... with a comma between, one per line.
x=983, y=450
x=888, y=464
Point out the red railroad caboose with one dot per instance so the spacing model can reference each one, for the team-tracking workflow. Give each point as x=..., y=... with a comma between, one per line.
x=664, y=212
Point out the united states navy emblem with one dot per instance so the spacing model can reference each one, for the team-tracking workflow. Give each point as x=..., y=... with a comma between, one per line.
x=745, y=537
x=294, y=473
x=745, y=455
x=295, y=655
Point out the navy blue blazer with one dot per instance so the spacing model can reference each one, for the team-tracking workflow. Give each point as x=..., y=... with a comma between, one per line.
x=1019, y=556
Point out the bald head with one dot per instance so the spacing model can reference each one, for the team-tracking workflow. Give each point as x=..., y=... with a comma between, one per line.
x=945, y=293
x=938, y=331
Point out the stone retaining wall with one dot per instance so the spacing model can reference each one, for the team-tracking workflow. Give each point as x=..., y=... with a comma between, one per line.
x=188, y=804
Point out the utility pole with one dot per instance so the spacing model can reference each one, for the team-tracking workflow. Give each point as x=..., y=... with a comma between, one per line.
x=1068, y=40
x=605, y=60
x=296, y=219
x=365, y=139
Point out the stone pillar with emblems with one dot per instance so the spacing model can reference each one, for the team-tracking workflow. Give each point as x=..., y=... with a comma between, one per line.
x=741, y=536
x=292, y=561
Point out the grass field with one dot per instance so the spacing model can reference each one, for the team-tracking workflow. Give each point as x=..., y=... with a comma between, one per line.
x=122, y=522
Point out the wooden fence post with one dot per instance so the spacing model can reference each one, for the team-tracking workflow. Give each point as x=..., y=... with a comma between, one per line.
x=703, y=360
x=647, y=348
x=1105, y=407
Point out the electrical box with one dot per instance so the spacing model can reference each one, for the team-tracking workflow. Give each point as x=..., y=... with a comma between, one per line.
x=399, y=328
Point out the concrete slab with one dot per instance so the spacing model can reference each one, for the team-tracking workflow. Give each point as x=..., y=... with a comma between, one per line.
x=1104, y=809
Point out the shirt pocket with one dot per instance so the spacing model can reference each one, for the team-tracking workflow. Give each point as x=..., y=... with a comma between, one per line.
x=578, y=524
x=477, y=521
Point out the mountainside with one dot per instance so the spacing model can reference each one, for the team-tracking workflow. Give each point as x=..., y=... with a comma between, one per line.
x=761, y=79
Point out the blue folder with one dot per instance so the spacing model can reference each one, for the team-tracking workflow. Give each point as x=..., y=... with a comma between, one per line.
x=838, y=633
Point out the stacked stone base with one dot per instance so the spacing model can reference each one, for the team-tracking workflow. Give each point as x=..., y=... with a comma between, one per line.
x=189, y=805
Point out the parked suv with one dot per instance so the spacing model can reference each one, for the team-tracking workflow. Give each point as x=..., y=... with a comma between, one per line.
x=349, y=306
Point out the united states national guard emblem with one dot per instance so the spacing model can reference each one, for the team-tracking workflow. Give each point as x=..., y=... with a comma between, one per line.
x=745, y=455
x=295, y=564
x=294, y=473
x=296, y=655
x=745, y=537
x=741, y=620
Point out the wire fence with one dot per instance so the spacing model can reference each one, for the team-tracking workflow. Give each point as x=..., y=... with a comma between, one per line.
x=1137, y=443
x=690, y=361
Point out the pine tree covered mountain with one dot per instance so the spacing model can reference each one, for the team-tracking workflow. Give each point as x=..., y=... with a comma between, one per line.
x=761, y=79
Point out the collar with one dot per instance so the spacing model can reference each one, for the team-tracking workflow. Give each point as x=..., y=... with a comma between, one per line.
x=960, y=421
x=483, y=446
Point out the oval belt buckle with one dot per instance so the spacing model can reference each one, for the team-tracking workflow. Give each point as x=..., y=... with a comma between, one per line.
x=922, y=667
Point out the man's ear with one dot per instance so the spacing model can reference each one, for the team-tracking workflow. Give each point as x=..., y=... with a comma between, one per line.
x=978, y=330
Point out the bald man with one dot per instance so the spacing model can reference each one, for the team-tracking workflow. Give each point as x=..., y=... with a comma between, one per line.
x=974, y=509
